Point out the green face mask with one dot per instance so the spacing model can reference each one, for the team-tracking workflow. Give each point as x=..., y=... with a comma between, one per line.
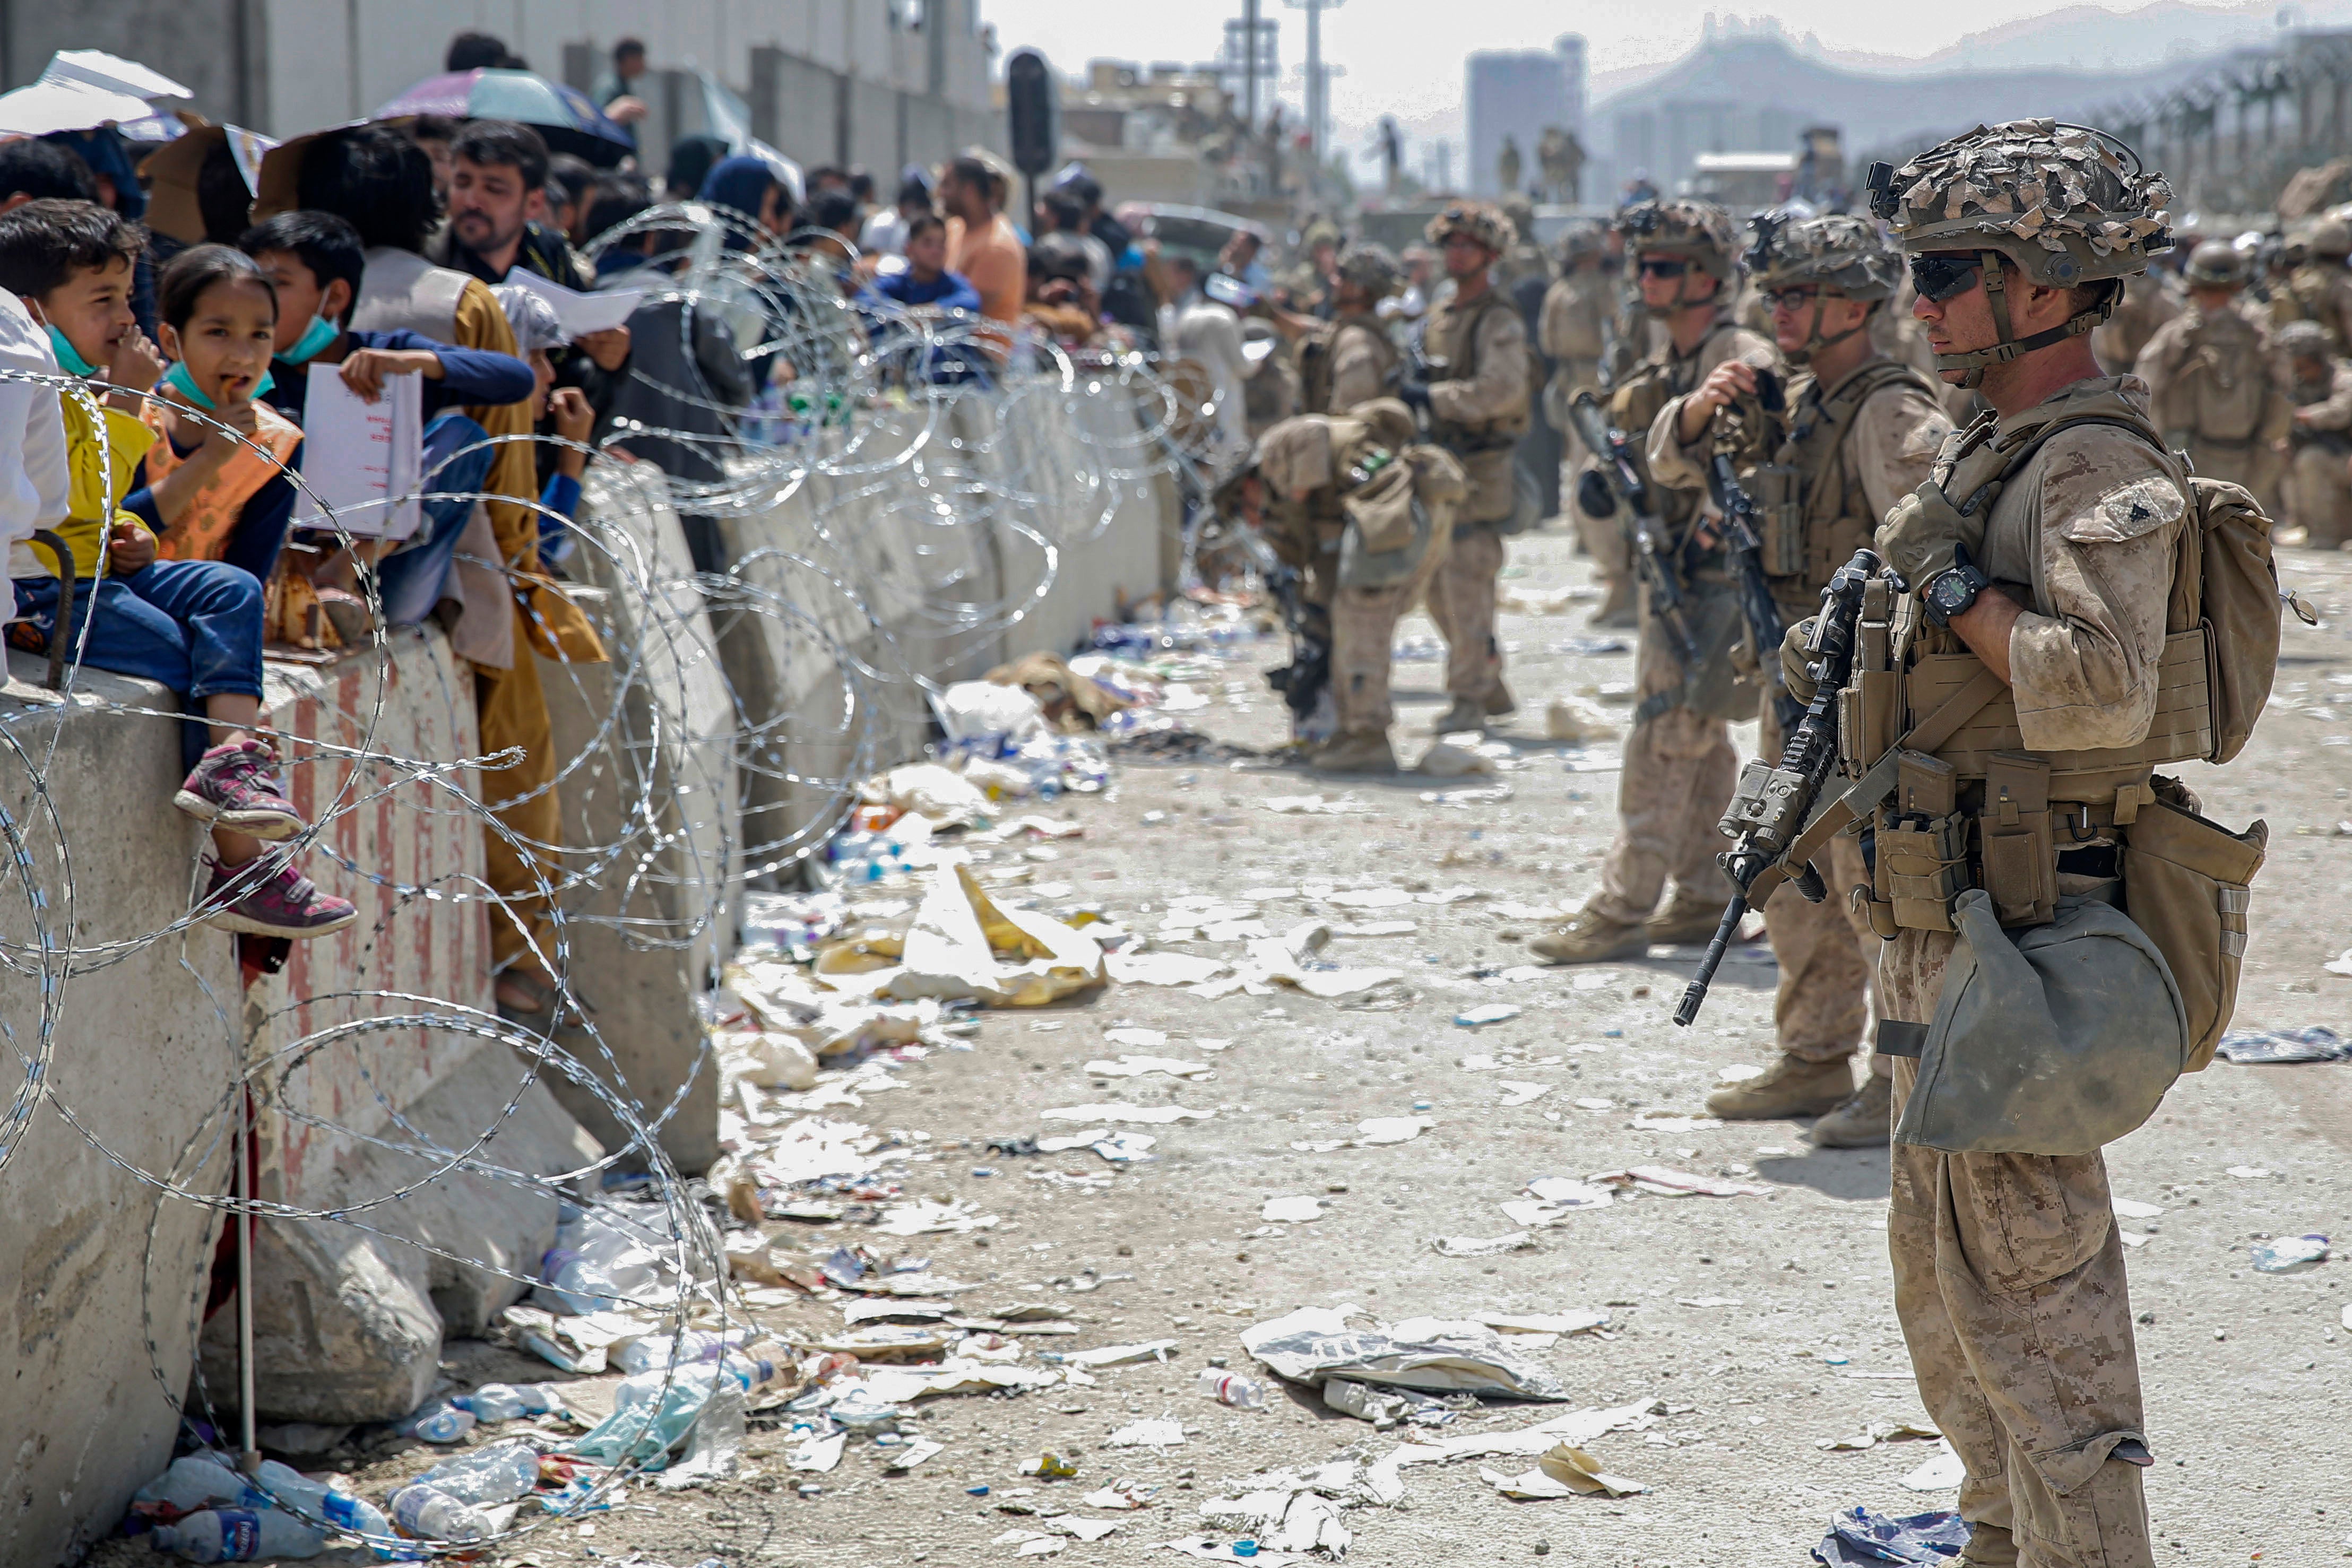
x=69, y=358
x=179, y=381
x=312, y=342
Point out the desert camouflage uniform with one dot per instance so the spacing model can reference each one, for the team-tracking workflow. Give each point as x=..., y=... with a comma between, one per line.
x=2149, y=302
x=1478, y=418
x=1318, y=454
x=1679, y=767
x=1574, y=333
x=2219, y=391
x=2008, y=1275
x=1827, y=951
x=2320, y=487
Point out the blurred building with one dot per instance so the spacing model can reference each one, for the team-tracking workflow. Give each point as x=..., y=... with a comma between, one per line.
x=876, y=82
x=1516, y=93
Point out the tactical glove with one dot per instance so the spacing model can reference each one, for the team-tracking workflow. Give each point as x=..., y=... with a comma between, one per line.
x=1920, y=531
x=1796, y=664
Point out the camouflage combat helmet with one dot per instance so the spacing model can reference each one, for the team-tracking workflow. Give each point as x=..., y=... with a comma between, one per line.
x=2304, y=341
x=1698, y=231
x=2065, y=204
x=1580, y=238
x=1841, y=253
x=1481, y=222
x=1846, y=254
x=1371, y=268
x=2217, y=264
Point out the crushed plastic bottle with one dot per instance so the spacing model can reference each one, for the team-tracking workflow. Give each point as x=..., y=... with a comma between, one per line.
x=330, y=1500
x=487, y=1477
x=2290, y=1254
x=237, y=1535
x=508, y=1402
x=648, y=1352
x=599, y=1262
x=1230, y=1388
x=439, y=1422
x=433, y=1515
x=195, y=1482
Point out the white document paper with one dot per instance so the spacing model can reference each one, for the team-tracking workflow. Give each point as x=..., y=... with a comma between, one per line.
x=582, y=314
x=366, y=461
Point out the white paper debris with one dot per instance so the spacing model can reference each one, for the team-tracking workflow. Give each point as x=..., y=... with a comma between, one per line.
x=1151, y=1433
x=1292, y=1211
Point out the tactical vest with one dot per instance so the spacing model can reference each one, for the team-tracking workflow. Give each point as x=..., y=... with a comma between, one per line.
x=1972, y=807
x=2226, y=391
x=1305, y=532
x=1319, y=348
x=1451, y=339
x=1634, y=407
x=1816, y=513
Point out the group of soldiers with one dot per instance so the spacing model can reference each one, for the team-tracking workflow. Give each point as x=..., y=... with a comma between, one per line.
x=2018, y=666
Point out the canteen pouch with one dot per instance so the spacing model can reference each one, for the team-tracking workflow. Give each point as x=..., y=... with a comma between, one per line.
x=2020, y=856
x=1382, y=509
x=2188, y=884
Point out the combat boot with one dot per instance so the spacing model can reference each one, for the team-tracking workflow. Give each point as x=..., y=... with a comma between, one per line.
x=1360, y=752
x=1466, y=714
x=1589, y=938
x=1616, y=611
x=1499, y=701
x=1688, y=917
x=1791, y=1089
x=1864, y=1120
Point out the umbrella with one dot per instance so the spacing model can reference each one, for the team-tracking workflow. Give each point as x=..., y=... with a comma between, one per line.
x=561, y=114
x=81, y=89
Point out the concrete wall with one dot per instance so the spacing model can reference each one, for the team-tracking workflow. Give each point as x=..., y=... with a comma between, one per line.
x=142, y=1064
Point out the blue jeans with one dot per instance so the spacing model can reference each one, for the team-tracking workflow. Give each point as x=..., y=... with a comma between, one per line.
x=192, y=625
x=410, y=582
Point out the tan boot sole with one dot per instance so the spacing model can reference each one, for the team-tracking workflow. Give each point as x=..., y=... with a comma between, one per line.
x=1557, y=949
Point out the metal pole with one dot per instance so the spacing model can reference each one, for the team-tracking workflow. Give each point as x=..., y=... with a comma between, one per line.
x=1315, y=84
x=1249, y=63
x=250, y=1449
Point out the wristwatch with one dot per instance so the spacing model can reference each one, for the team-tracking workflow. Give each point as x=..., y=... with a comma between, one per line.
x=1953, y=590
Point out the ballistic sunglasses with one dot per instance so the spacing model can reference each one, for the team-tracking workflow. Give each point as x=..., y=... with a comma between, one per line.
x=1947, y=277
x=1664, y=267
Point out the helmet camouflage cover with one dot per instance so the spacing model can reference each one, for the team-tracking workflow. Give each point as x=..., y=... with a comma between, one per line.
x=1481, y=222
x=1371, y=268
x=1847, y=253
x=2067, y=205
x=2305, y=340
x=1699, y=231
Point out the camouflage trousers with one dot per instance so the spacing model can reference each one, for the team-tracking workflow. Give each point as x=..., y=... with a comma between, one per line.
x=1603, y=540
x=1363, y=635
x=2319, y=495
x=1827, y=952
x=1679, y=774
x=2008, y=1282
x=1462, y=602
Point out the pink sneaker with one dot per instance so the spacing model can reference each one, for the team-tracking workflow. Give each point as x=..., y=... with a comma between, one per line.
x=265, y=900
x=232, y=787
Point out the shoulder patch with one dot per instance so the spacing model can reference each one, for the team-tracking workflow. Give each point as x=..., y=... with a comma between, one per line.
x=2125, y=512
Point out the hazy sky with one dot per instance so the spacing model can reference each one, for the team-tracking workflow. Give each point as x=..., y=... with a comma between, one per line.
x=1402, y=60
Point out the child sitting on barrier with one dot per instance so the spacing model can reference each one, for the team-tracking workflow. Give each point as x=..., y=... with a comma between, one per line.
x=317, y=262
x=192, y=625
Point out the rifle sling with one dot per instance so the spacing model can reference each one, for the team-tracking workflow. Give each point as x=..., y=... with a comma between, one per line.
x=1874, y=786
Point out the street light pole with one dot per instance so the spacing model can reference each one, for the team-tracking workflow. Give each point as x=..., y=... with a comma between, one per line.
x=1318, y=85
x=1249, y=63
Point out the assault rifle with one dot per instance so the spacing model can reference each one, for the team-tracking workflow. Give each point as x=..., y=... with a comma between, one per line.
x=1744, y=553
x=1772, y=814
x=1302, y=681
x=1621, y=487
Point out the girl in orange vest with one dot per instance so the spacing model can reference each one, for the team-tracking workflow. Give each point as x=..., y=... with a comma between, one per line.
x=220, y=507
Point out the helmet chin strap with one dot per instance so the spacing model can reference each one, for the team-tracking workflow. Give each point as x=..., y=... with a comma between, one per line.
x=1682, y=300
x=2006, y=348
x=1814, y=343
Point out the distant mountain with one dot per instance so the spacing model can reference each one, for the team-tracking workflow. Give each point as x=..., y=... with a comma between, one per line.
x=2091, y=38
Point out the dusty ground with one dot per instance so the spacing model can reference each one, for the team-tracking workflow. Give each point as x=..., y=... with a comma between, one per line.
x=2248, y=1376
